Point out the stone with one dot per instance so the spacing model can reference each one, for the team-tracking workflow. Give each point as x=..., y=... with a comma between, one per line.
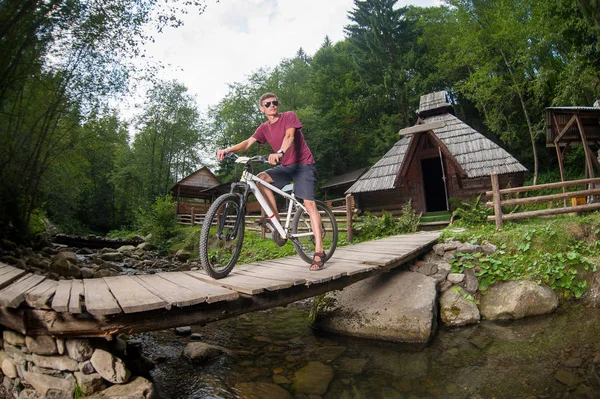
x=89, y=383
x=145, y=246
x=55, y=362
x=201, y=352
x=64, y=267
x=51, y=387
x=261, y=390
x=399, y=306
x=512, y=300
x=137, y=388
x=86, y=367
x=79, y=349
x=567, y=378
x=458, y=309
x=105, y=273
x=29, y=394
x=9, y=369
x=182, y=255
x=112, y=256
x=60, y=346
x=41, y=345
x=13, y=338
x=468, y=248
x=87, y=272
x=456, y=278
x=352, y=366
x=312, y=379
x=488, y=248
x=126, y=248
x=183, y=331
x=110, y=367
x=471, y=283
x=592, y=295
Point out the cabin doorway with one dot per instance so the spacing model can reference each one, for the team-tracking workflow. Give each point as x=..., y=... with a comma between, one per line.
x=433, y=185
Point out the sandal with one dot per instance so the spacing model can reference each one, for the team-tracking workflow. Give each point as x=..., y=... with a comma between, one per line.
x=317, y=264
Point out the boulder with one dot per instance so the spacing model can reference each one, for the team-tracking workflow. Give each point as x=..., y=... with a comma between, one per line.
x=137, y=388
x=79, y=349
x=51, y=387
x=517, y=299
x=202, y=352
x=312, y=379
x=41, y=345
x=55, y=362
x=89, y=383
x=110, y=367
x=398, y=306
x=182, y=255
x=458, y=308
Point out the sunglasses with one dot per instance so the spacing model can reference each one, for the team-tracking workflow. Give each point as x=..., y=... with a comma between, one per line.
x=268, y=103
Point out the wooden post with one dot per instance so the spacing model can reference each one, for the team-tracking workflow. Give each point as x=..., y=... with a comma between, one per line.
x=496, y=198
x=349, y=212
x=193, y=217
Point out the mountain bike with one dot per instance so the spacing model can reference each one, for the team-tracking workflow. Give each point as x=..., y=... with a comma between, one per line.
x=222, y=235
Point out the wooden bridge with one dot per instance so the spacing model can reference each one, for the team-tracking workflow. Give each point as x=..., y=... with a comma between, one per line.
x=34, y=305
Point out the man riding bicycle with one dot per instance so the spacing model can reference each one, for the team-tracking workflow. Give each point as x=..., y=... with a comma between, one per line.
x=283, y=132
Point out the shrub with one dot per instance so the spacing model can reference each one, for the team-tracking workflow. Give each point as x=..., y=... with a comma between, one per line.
x=160, y=222
x=371, y=227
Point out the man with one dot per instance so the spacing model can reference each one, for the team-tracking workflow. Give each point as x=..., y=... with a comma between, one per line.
x=283, y=132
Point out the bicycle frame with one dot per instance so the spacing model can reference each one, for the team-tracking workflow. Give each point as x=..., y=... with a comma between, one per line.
x=251, y=181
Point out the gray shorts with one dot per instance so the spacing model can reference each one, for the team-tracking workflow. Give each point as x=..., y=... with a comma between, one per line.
x=304, y=177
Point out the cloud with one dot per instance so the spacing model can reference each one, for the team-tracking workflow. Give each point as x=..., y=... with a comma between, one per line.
x=234, y=38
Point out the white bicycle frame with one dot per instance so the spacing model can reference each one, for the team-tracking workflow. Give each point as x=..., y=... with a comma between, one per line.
x=253, y=181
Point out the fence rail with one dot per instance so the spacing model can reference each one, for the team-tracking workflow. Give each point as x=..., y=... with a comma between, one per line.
x=497, y=202
x=343, y=215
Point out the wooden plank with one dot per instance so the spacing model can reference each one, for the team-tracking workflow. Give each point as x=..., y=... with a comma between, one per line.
x=132, y=296
x=263, y=271
x=60, y=301
x=170, y=292
x=44, y=290
x=76, y=297
x=13, y=295
x=11, y=275
x=212, y=292
x=334, y=269
x=245, y=284
x=98, y=298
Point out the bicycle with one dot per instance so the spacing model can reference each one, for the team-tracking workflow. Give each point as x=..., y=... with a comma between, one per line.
x=222, y=234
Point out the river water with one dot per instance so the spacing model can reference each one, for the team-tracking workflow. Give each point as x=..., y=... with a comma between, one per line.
x=542, y=357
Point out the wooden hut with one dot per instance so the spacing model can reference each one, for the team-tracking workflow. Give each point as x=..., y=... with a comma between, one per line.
x=438, y=158
x=197, y=191
x=337, y=185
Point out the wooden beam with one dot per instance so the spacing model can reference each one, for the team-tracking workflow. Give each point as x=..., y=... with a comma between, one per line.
x=424, y=127
x=569, y=183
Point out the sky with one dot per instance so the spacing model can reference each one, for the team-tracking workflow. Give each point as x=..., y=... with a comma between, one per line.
x=234, y=38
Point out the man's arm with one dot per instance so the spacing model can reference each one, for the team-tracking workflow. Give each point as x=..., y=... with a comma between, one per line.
x=243, y=146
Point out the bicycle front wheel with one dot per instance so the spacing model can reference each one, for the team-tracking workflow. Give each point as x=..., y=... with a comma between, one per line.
x=305, y=245
x=220, y=240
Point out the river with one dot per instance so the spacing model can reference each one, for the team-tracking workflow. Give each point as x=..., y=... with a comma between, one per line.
x=542, y=357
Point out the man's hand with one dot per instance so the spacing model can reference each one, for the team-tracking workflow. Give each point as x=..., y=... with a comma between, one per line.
x=275, y=158
x=221, y=155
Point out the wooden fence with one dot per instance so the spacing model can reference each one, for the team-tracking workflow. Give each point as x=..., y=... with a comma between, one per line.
x=577, y=204
x=342, y=208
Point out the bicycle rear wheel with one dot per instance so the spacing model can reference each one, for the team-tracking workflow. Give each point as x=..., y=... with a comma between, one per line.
x=305, y=245
x=220, y=241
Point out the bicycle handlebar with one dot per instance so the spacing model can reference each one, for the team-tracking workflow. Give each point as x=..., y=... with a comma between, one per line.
x=238, y=159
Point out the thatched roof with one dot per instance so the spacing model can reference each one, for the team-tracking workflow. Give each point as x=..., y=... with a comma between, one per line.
x=475, y=154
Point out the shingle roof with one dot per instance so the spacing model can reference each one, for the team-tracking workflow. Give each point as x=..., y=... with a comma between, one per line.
x=344, y=179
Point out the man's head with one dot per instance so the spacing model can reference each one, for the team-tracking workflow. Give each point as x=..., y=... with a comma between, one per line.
x=269, y=104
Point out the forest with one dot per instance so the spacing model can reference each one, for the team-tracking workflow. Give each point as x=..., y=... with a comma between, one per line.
x=68, y=156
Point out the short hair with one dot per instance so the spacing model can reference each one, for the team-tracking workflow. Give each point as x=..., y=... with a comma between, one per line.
x=265, y=96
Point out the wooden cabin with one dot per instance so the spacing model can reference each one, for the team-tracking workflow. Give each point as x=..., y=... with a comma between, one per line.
x=438, y=158
x=197, y=191
x=336, y=186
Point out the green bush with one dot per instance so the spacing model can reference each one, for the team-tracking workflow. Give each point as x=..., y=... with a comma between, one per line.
x=370, y=227
x=469, y=214
x=160, y=221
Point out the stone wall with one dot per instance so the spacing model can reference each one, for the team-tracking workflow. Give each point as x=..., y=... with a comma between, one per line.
x=48, y=367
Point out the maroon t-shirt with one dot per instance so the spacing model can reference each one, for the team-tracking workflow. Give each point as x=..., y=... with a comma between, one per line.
x=298, y=153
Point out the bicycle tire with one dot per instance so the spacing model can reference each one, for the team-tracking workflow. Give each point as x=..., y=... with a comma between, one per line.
x=305, y=246
x=218, y=252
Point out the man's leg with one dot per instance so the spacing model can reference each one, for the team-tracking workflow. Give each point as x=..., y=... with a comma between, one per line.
x=268, y=194
x=315, y=222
